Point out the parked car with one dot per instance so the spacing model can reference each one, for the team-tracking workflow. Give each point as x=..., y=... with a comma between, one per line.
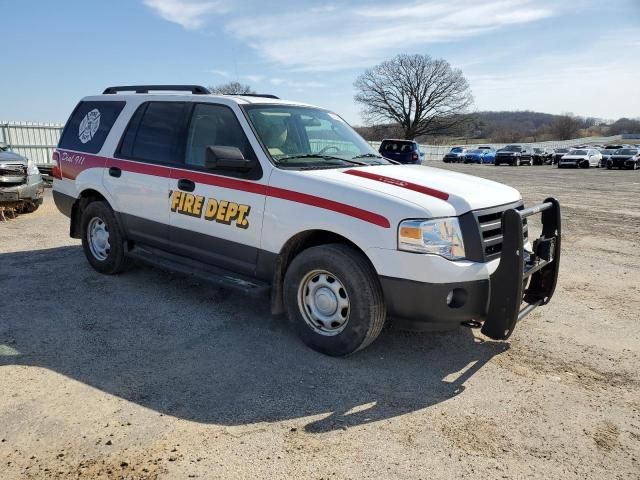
x=232, y=190
x=606, y=154
x=21, y=185
x=541, y=155
x=514, y=155
x=455, y=155
x=581, y=158
x=624, y=158
x=557, y=154
x=480, y=155
x=403, y=151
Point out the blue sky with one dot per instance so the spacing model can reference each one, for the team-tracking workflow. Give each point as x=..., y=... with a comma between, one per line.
x=580, y=56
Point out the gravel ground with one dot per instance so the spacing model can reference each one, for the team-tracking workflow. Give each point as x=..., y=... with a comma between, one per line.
x=148, y=375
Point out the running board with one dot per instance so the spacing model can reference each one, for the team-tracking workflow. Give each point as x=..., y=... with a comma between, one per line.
x=217, y=276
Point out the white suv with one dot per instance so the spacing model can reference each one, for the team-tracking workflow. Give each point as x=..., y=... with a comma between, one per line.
x=261, y=194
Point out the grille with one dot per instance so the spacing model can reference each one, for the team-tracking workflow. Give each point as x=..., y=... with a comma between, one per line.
x=490, y=225
x=13, y=170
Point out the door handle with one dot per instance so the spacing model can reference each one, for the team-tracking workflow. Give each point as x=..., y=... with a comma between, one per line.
x=186, y=185
x=115, y=172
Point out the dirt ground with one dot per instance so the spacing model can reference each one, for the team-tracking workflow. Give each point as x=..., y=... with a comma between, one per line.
x=147, y=375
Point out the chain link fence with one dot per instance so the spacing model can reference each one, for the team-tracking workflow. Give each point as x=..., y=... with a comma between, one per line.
x=38, y=140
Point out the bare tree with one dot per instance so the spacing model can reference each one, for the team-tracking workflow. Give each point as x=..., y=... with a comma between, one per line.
x=566, y=127
x=231, y=88
x=423, y=95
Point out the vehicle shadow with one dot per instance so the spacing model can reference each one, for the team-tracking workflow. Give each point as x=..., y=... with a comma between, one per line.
x=186, y=349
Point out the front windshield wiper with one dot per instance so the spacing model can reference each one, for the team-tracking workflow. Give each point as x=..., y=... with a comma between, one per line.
x=323, y=157
x=373, y=155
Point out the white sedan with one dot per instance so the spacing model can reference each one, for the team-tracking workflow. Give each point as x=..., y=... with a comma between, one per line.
x=583, y=158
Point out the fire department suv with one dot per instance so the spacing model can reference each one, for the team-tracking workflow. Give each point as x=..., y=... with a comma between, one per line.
x=260, y=194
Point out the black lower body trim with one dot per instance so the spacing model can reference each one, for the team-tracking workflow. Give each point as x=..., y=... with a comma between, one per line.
x=63, y=202
x=418, y=305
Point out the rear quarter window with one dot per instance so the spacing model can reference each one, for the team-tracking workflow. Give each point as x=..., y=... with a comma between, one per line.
x=89, y=124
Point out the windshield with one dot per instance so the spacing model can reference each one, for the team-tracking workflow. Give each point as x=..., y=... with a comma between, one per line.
x=394, y=146
x=477, y=150
x=456, y=150
x=298, y=137
x=512, y=148
x=578, y=152
x=562, y=150
x=538, y=150
x=627, y=151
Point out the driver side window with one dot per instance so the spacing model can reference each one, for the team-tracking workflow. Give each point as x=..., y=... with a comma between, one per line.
x=214, y=125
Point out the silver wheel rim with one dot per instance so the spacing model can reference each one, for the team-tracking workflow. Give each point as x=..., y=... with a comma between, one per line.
x=323, y=302
x=98, y=239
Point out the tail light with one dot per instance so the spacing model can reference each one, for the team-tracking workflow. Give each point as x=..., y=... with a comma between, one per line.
x=414, y=156
x=55, y=171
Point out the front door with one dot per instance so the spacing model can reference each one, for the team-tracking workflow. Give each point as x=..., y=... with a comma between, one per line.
x=216, y=216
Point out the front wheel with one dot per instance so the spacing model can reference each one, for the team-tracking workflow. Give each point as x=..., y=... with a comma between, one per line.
x=333, y=299
x=102, y=240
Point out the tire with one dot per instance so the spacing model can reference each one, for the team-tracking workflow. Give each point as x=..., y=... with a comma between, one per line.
x=516, y=163
x=106, y=257
x=609, y=167
x=355, y=284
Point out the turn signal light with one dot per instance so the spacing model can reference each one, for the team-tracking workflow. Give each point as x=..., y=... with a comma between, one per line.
x=55, y=171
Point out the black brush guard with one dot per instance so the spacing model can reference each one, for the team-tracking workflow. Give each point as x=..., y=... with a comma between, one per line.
x=524, y=280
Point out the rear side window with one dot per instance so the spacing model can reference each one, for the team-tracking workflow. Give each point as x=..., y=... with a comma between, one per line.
x=156, y=133
x=89, y=125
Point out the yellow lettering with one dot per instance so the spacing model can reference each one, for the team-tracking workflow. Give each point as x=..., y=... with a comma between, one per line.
x=180, y=205
x=197, y=205
x=175, y=199
x=210, y=210
x=222, y=209
x=232, y=210
x=243, y=213
x=188, y=203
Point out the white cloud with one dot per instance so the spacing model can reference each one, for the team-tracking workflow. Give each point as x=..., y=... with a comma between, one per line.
x=295, y=84
x=191, y=14
x=254, y=78
x=331, y=39
x=222, y=73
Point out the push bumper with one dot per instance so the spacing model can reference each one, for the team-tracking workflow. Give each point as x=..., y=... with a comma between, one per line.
x=522, y=282
x=32, y=191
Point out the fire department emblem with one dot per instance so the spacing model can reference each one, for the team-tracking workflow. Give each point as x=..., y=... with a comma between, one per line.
x=89, y=125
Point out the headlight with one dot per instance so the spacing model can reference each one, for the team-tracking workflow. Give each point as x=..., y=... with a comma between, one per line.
x=32, y=169
x=439, y=237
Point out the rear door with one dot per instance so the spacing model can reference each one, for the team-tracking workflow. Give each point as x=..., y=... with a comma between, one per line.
x=138, y=178
x=215, y=216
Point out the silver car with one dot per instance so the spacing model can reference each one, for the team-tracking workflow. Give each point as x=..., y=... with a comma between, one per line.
x=21, y=185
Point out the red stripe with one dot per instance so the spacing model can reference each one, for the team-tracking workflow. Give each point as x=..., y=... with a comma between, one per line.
x=432, y=192
x=93, y=161
x=329, y=205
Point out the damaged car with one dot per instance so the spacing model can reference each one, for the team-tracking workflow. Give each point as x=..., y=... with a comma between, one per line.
x=21, y=185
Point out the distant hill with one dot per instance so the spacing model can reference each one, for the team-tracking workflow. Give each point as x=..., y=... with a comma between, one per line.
x=514, y=126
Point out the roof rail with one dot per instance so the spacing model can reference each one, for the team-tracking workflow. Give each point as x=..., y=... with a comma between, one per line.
x=195, y=89
x=262, y=95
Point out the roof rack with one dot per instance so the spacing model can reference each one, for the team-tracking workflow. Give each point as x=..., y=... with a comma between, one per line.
x=195, y=89
x=261, y=95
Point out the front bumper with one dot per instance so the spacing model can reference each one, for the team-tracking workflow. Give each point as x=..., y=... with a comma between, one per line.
x=521, y=282
x=32, y=191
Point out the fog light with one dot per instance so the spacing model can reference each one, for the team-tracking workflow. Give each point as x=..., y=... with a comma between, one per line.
x=456, y=298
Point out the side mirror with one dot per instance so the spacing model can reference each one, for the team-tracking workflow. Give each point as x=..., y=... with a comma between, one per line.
x=226, y=158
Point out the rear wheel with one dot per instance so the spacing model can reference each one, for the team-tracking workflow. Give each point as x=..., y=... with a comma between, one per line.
x=334, y=299
x=102, y=240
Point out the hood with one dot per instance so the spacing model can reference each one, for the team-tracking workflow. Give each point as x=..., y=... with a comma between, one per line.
x=440, y=192
x=10, y=157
